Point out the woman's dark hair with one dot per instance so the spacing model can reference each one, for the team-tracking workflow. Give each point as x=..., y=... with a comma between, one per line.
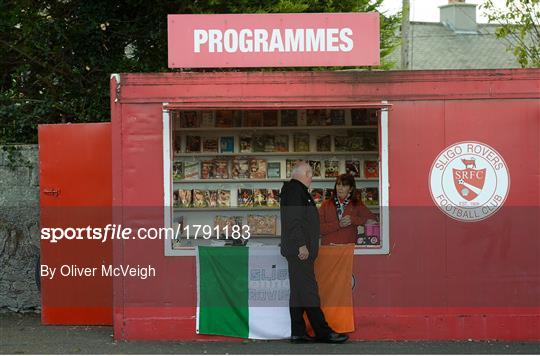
x=348, y=180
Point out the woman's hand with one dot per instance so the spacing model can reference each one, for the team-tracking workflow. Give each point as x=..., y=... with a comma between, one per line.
x=345, y=221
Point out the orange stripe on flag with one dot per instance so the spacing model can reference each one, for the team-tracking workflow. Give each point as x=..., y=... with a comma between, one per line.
x=333, y=270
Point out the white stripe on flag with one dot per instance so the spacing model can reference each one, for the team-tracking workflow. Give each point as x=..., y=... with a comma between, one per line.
x=268, y=280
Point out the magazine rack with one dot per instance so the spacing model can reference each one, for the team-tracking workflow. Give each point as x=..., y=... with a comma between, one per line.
x=228, y=166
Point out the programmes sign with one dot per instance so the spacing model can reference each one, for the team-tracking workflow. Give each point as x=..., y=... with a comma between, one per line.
x=273, y=40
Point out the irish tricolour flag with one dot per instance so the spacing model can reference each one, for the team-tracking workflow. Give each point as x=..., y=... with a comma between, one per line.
x=244, y=291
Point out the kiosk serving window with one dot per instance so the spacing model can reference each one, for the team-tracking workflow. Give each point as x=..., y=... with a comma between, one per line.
x=225, y=168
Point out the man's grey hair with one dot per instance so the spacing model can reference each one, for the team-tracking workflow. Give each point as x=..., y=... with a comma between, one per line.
x=300, y=169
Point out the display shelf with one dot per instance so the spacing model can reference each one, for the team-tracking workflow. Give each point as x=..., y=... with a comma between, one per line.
x=254, y=240
x=268, y=154
x=247, y=208
x=232, y=208
x=213, y=238
x=265, y=240
x=276, y=128
x=269, y=180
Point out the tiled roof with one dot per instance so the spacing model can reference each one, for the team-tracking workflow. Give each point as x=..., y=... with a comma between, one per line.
x=434, y=46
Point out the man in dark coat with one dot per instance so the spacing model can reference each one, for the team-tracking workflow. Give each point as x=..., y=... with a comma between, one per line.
x=300, y=245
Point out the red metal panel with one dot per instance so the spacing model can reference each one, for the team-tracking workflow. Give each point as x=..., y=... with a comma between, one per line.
x=138, y=200
x=167, y=323
x=75, y=161
x=443, y=279
x=277, y=88
x=446, y=324
x=494, y=259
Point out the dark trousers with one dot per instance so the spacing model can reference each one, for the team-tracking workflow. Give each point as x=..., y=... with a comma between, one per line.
x=305, y=298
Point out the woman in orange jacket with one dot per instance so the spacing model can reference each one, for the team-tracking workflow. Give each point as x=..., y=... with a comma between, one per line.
x=342, y=213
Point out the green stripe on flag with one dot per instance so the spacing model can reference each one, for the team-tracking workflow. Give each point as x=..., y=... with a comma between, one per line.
x=223, y=291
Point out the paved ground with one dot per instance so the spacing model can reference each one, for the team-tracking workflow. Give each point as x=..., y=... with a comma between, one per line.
x=24, y=334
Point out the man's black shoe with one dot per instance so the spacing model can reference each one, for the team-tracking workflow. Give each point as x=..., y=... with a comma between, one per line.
x=334, y=338
x=302, y=339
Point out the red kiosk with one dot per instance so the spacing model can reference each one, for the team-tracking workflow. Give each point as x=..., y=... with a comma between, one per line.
x=441, y=277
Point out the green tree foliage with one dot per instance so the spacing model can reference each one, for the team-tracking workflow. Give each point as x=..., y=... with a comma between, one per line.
x=520, y=26
x=57, y=55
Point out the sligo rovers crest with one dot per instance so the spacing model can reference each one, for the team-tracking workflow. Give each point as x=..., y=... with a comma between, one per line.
x=469, y=181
